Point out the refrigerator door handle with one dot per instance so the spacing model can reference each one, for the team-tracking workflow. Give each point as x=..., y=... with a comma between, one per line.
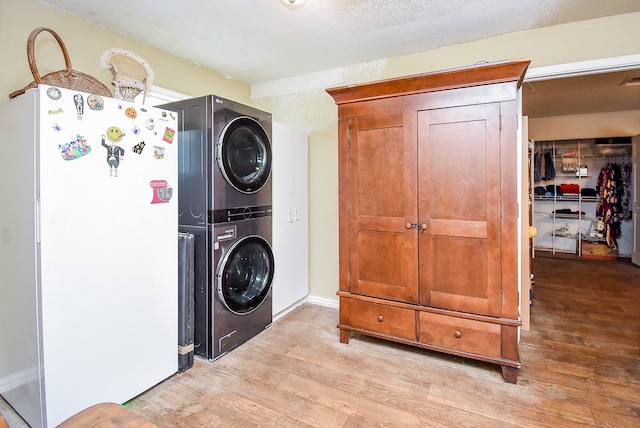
x=37, y=220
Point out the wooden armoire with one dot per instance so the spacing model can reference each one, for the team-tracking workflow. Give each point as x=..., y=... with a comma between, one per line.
x=428, y=204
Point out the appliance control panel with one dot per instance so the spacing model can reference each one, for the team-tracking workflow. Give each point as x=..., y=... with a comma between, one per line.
x=242, y=213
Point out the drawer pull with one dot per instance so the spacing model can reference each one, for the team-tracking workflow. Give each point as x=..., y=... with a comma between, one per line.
x=458, y=334
x=380, y=318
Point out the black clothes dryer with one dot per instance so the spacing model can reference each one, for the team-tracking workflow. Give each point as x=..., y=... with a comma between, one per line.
x=225, y=158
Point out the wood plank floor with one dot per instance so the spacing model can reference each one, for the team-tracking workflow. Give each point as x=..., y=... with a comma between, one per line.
x=580, y=367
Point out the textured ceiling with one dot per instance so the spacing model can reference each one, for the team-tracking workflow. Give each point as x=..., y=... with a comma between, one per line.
x=596, y=93
x=263, y=40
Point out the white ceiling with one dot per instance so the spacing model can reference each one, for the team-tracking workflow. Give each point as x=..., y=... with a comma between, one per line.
x=596, y=93
x=257, y=41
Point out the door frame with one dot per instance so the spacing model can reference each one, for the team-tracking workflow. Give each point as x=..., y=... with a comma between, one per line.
x=635, y=255
x=583, y=68
x=558, y=71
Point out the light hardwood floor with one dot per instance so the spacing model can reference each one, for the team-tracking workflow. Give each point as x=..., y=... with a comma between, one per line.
x=580, y=367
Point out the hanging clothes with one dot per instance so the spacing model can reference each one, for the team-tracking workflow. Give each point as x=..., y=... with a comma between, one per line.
x=608, y=206
x=549, y=168
x=625, y=198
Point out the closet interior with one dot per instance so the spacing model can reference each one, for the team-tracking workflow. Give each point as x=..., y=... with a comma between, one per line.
x=581, y=201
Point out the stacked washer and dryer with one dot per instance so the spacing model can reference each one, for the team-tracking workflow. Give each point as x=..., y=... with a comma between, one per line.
x=225, y=201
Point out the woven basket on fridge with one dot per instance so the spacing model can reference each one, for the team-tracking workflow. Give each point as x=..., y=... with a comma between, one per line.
x=67, y=78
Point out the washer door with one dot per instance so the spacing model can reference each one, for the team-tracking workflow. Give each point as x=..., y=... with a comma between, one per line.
x=245, y=274
x=244, y=154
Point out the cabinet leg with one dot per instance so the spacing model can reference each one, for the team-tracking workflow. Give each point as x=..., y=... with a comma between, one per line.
x=344, y=336
x=510, y=374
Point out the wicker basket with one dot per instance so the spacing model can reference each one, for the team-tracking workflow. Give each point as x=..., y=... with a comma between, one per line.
x=67, y=78
x=131, y=74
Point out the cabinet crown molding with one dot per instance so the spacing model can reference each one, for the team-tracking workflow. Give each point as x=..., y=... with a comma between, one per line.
x=490, y=73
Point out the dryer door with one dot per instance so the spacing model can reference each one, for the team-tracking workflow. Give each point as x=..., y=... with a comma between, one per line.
x=245, y=274
x=244, y=154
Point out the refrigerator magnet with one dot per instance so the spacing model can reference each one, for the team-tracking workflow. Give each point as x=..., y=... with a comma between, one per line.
x=114, y=155
x=138, y=148
x=74, y=149
x=131, y=113
x=161, y=191
x=168, y=135
x=54, y=93
x=78, y=100
x=158, y=152
x=95, y=102
x=114, y=133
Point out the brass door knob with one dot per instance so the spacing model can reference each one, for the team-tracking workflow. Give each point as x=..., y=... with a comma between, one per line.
x=380, y=318
x=408, y=226
x=458, y=334
x=424, y=227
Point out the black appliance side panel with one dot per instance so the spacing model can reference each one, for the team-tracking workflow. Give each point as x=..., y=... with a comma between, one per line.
x=185, y=300
x=194, y=160
x=202, y=291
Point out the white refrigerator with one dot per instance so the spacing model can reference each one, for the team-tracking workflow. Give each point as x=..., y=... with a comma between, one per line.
x=88, y=252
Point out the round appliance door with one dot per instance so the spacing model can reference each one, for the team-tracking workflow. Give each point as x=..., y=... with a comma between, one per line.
x=245, y=274
x=244, y=154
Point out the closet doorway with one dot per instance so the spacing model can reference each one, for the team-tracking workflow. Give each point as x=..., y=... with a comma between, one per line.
x=556, y=98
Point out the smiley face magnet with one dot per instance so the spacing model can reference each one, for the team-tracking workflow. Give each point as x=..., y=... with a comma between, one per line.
x=114, y=133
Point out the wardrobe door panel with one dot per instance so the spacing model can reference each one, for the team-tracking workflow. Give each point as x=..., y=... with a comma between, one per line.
x=382, y=174
x=459, y=202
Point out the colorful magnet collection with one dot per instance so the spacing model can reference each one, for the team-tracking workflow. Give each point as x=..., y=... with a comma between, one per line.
x=114, y=136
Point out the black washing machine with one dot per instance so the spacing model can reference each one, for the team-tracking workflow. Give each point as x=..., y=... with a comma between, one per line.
x=224, y=177
x=243, y=270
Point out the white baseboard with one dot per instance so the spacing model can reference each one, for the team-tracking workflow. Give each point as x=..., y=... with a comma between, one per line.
x=314, y=300
x=323, y=301
x=288, y=309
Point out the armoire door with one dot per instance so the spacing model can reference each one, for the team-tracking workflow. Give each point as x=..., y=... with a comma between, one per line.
x=459, y=161
x=383, y=254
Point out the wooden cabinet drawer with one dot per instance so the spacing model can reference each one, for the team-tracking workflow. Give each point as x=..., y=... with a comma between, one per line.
x=384, y=319
x=462, y=334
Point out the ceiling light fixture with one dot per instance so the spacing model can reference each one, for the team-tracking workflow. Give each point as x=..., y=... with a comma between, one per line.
x=292, y=2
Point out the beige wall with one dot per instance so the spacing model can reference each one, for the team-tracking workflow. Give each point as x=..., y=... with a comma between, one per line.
x=86, y=42
x=308, y=107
